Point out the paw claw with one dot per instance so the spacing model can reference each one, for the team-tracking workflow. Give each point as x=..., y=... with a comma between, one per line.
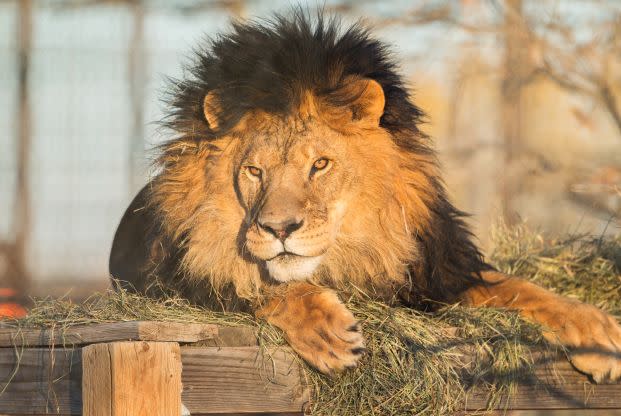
x=358, y=351
x=354, y=328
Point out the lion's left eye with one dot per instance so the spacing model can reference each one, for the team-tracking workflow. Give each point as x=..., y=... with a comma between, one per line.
x=320, y=164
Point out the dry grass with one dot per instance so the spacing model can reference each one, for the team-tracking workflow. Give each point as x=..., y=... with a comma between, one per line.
x=415, y=362
x=581, y=267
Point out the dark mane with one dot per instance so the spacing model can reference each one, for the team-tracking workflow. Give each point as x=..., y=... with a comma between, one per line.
x=268, y=65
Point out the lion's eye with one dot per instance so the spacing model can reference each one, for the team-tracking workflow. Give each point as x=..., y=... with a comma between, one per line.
x=320, y=164
x=253, y=171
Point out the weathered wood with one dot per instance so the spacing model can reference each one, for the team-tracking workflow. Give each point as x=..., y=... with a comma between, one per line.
x=131, y=378
x=40, y=381
x=17, y=273
x=97, y=394
x=215, y=380
x=128, y=331
x=246, y=380
x=242, y=380
x=555, y=385
x=231, y=337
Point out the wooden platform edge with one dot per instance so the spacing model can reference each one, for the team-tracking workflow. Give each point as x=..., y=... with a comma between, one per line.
x=555, y=385
x=131, y=378
x=236, y=380
x=128, y=331
x=215, y=380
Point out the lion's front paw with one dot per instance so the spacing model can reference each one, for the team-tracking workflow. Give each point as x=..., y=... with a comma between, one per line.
x=594, y=341
x=319, y=328
x=329, y=340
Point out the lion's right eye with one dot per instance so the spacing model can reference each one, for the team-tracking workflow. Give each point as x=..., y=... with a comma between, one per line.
x=320, y=166
x=253, y=172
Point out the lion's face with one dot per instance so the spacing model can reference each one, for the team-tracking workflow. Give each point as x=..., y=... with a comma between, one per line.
x=322, y=194
x=295, y=180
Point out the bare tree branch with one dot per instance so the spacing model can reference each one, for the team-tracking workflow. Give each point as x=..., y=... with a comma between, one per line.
x=579, y=64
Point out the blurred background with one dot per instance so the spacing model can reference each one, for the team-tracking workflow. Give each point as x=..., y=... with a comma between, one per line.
x=523, y=99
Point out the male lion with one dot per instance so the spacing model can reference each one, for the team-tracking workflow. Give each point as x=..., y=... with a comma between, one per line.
x=297, y=172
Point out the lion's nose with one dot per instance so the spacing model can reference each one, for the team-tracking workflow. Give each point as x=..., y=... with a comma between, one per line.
x=281, y=229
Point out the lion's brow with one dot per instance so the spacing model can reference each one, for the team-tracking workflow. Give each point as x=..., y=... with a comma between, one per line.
x=297, y=128
x=287, y=145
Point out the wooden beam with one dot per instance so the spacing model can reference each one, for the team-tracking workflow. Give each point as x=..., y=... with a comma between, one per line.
x=131, y=378
x=209, y=334
x=18, y=276
x=215, y=380
x=242, y=380
x=555, y=385
x=249, y=380
x=40, y=381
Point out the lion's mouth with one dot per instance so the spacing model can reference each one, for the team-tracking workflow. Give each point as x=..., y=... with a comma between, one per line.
x=287, y=266
x=286, y=256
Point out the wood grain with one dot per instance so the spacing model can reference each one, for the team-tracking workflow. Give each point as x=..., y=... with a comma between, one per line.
x=242, y=380
x=109, y=332
x=245, y=380
x=131, y=378
x=215, y=380
x=40, y=381
x=555, y=385
x=97, y=380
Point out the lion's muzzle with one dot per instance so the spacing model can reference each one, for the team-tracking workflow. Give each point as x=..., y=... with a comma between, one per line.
x=288, y=237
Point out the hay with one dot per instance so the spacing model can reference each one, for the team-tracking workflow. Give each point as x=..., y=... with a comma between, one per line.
x=578, y=266
x=416, y=365
x=415, y=362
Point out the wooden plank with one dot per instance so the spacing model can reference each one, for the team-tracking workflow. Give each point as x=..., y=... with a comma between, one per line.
x=131, y=378
x=243, y=380
x=554, y=385
x=231, y=337
x=128, y=331
x=40, y=381
x=97, y=382
x=250, y=380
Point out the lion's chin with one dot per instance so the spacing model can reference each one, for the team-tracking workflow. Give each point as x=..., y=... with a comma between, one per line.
x=290, y=267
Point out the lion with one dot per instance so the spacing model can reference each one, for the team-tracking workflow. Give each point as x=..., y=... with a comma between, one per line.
x=297, y=173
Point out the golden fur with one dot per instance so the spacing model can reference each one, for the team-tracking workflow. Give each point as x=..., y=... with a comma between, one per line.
x=196, y=195
x=299, y=174
x=367, y=243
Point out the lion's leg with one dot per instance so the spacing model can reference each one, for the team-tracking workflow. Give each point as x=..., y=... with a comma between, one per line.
x=592, y=336
x=316, y=324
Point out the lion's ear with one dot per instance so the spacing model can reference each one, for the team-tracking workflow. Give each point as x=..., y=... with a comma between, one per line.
x=212, y=110
x=369, y=101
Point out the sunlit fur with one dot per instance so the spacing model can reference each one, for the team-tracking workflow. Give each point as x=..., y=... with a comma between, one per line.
x=381, y=221
x=238, y=218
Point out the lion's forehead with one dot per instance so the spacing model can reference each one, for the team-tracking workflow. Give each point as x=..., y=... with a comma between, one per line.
x=291, y=142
